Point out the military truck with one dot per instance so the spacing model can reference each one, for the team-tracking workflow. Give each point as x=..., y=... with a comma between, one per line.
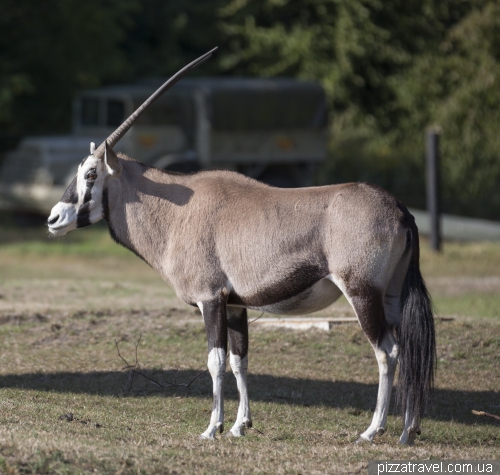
x=270, y=129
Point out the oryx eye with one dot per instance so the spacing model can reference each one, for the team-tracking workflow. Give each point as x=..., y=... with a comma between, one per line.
x=91, y=174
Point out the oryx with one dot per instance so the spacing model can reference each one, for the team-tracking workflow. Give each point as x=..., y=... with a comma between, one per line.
x=227, y=243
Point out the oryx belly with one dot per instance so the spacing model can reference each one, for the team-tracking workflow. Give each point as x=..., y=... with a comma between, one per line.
x=316, y=297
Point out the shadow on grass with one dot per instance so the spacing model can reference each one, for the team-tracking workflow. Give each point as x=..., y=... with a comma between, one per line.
x=446, y=405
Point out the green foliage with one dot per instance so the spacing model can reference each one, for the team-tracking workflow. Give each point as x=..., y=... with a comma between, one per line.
x=49, y=50
x=456, y=87
x=390, y=68
x=166, y=35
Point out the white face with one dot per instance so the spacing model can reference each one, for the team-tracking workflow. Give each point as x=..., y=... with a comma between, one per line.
x=81, y=204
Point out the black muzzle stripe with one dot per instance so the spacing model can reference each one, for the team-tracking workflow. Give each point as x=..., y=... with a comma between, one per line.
x=83, y=216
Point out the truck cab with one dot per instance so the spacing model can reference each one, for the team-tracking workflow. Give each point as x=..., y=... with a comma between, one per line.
x=270, y=129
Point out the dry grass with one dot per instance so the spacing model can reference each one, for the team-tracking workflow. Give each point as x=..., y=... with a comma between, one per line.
x=63, y=304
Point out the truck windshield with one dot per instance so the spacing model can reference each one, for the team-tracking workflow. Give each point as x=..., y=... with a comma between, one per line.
x=174, y=110
x=90, y=116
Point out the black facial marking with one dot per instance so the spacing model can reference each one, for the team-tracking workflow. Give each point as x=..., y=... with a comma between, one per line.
x=88, y=192
x=105, y=204
x=70, y=195
x=83, y=216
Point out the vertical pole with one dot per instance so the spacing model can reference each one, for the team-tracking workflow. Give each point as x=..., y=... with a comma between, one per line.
x=433, y=186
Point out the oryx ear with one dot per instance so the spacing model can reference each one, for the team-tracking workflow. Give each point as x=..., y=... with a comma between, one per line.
x=92, y=148
x=111, y=160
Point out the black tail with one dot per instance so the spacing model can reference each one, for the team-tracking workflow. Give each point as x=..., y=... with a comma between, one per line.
x=416, y=336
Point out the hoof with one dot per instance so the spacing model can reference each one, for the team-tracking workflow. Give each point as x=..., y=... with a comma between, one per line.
x=408, y=439
x=238, y=430
x=408, y=443
x=381, y=432
x=209, y=434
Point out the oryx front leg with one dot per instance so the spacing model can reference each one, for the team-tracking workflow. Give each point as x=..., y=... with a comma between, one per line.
x=238, y=358
x=214, y=314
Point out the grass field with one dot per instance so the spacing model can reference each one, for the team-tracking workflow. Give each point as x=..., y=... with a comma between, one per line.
x=64, y=303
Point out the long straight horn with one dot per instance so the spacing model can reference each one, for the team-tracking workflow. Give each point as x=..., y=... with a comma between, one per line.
x=122, y=130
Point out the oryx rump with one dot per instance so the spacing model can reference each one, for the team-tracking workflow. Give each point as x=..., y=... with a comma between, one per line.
x=227, y=243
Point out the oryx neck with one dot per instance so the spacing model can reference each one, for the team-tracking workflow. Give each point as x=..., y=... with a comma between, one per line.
x=141, y=205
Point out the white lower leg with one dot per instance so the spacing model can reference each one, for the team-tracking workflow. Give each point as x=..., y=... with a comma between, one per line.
x=387, y=367
x=243, y=419
x=217, y=367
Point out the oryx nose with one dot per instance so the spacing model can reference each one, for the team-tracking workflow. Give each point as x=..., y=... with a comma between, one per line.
x=53, y=220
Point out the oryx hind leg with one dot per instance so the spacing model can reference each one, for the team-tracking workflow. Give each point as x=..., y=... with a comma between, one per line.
x=368, y=303
x=386, y=352
x=237, y=323
x=411, y=427
x=214, y=314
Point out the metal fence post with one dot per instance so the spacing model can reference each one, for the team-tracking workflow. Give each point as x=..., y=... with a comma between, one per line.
x=433, y=185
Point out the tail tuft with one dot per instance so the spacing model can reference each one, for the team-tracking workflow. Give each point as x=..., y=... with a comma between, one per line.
x=416, y=338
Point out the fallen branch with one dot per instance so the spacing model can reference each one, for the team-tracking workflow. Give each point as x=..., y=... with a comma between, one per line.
x=135, y=369
x=255, y=319
x=69, y=417
x=487, y=414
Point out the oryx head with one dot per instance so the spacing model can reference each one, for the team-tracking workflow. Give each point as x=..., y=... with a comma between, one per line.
x=82, y=202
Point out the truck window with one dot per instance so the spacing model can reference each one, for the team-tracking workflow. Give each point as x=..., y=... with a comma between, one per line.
x=162, y=114
x=268, y=110
x=90, y=111
x=174, y=110
x=115, y=112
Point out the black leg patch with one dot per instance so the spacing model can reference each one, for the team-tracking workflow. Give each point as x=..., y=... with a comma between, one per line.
x=214, y=314
x=237, y=324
